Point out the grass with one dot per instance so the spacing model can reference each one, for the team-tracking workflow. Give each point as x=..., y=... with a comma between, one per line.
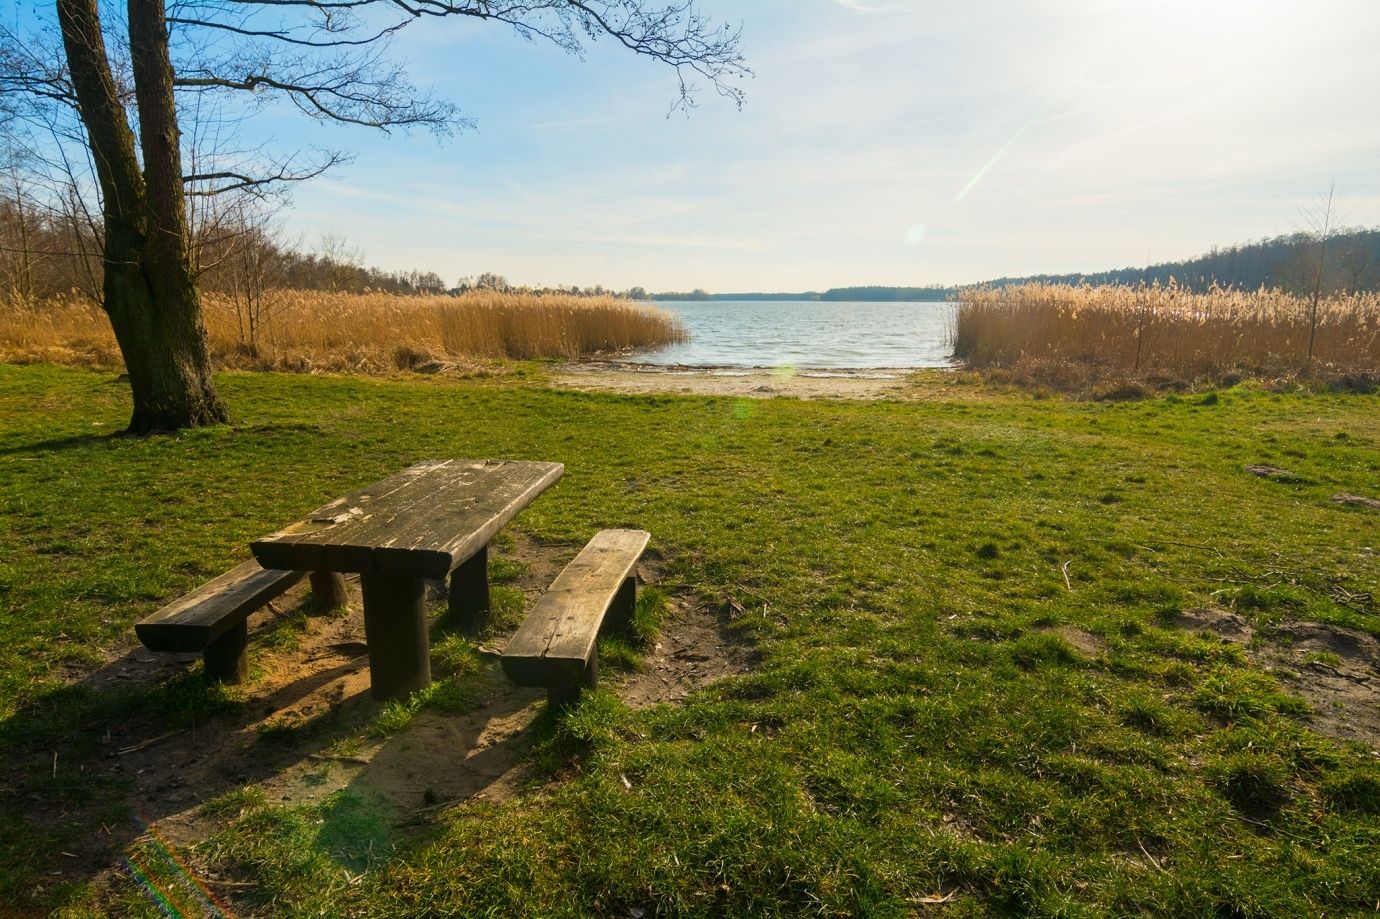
x=924, y=722
x=370, y=333
x=1071, y=337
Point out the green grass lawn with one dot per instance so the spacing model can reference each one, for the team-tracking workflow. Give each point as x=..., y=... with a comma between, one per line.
x=923, y=724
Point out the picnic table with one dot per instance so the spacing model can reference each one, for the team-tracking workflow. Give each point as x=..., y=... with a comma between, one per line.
x=430, y=521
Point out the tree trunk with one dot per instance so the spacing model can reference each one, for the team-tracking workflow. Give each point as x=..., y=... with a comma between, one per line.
x=164, y=347
x=149, y=291
x=175, y=390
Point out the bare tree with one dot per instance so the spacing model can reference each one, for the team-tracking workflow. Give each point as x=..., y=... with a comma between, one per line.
x=130, y=83
x=239, y=257
x=1321, y=221
x=18, y=242
x=49, y=245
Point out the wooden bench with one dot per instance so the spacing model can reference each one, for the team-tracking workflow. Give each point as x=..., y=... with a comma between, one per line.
x=213, y=619
x=555, y=647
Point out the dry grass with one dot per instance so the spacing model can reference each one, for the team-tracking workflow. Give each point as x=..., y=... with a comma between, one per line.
x=1066, y=336
x=322, y=331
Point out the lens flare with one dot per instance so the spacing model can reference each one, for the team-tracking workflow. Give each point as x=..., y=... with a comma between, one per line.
x=166, y=879
x=1003, y=150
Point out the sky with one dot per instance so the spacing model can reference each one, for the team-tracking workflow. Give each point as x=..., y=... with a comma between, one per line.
x=905, y=142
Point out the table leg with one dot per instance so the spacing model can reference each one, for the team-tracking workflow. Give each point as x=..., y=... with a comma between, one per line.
x=469, y=594
x=396, y=629
x=328, y=590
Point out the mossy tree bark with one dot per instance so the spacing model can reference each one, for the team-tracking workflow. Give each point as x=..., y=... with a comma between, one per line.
x=150, y=289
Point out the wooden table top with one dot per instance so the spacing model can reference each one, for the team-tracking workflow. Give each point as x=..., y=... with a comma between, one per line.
x=422, y=522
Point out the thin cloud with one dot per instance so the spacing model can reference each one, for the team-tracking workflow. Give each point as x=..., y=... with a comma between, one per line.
x=575, y=123
x=861, y=7
x=879, y=146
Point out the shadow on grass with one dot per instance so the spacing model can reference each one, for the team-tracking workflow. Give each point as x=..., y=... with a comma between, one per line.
x=130, y=751
x=62, y=444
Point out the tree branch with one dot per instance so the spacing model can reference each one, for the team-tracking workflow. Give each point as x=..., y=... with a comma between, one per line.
x=242, y=182
x=286, y=37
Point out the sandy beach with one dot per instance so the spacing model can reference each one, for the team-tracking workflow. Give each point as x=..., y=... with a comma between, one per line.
x=755, y=383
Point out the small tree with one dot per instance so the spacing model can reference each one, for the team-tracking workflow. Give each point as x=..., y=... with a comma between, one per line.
x=490, y=281
x=19, y=255
x=325, y=57
x=1321, y=222
x=240, y=258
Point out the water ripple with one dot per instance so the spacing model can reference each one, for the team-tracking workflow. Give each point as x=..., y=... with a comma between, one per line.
x=808, y=334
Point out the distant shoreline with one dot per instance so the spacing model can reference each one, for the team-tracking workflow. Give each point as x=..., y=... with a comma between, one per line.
x=833, y=295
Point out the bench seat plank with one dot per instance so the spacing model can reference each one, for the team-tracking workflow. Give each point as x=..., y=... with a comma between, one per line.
x=192, y=622
x=422, y=522
x=555, y=643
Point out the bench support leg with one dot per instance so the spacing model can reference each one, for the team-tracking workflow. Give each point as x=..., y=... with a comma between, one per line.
x=619, y=618
x=469, y=594
x=395, y=628
x=566, y=696
x=226, y=659
x=328, y=590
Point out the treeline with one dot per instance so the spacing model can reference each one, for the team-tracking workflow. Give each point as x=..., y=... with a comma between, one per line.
x=1289, y=263
x=698, y=293
x=322, y=271
x=44, y=254
x=1350, y=260
x=48, y=251
x=876, y=294
x=52, y=247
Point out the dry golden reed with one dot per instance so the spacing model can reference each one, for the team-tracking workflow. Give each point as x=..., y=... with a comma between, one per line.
x=1166, y=330
x=372, y=333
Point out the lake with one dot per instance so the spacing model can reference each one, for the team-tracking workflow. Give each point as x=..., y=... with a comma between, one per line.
x=807, y=334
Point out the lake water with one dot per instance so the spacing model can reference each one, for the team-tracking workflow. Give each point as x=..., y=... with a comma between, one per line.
x=807, y=335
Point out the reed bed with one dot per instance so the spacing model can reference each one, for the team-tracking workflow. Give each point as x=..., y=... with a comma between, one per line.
x=1163, y=332
x=372, y=333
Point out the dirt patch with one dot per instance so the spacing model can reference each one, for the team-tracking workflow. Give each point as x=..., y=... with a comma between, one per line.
x=1219, y=622
x=1334, y=668
x=1353, y=647
x=1274, y=474
x=1357, y=501
x=306, y=725
x=694, y=649
x=1085, y=642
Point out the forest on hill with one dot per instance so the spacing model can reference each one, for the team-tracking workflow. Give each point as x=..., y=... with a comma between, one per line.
x=1287, y=262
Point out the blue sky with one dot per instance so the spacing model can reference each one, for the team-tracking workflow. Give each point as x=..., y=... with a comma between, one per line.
x=883, y=141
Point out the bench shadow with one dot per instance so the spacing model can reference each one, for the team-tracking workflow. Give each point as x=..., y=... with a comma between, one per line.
x=136, y=746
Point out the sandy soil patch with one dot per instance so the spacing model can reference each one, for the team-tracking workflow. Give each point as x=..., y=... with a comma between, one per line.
x=757, y=383
x=1335, y=669
x=1086, y=642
